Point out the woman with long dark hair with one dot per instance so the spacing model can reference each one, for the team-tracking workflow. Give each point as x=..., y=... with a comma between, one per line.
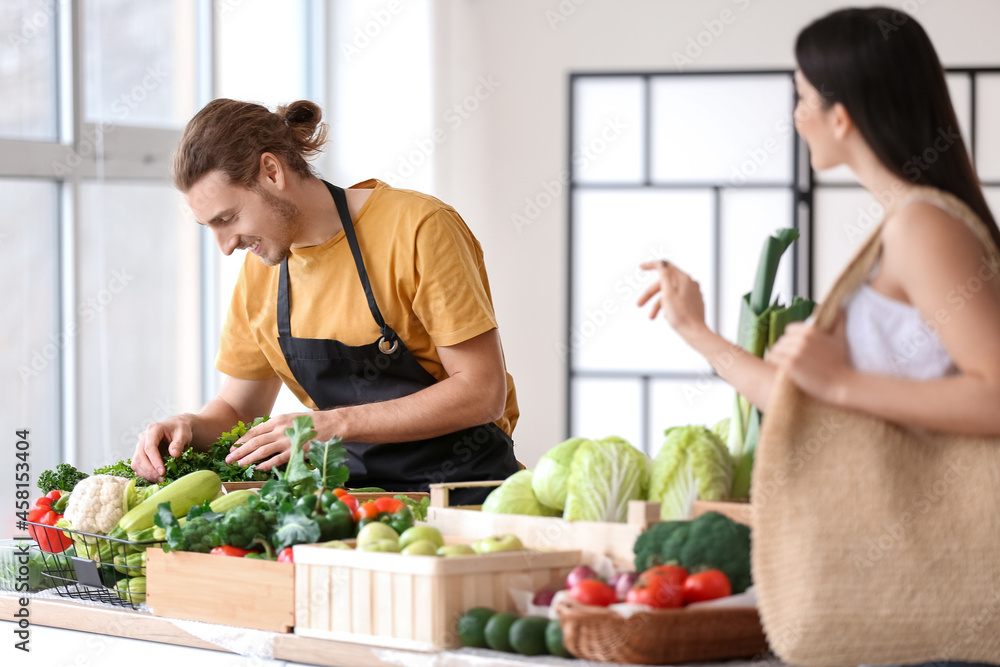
x=919, y=344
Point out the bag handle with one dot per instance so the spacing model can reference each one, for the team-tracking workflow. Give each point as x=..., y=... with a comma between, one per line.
x=864, y=259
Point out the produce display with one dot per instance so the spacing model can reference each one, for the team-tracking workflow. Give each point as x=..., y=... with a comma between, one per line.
x=712, y=541
x=65, y=477
x=112, y=519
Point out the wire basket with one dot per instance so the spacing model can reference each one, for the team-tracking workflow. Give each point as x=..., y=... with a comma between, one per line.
x=94, y=567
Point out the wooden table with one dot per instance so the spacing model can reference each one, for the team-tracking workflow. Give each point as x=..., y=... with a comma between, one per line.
x=128, y=624
x=120, y=622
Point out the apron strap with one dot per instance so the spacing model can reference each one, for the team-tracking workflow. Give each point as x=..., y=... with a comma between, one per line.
x=284, y=319
x=352, y=240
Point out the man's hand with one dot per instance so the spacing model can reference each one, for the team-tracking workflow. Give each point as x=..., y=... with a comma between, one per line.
x=269, y=440
x=175, y=433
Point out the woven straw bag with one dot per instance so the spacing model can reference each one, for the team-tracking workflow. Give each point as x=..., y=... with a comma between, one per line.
x=874, y=543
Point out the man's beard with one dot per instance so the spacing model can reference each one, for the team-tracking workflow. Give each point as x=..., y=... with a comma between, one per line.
x=286, y=213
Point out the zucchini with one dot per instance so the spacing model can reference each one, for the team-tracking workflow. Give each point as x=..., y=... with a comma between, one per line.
x=223, y=504
x=190, y=490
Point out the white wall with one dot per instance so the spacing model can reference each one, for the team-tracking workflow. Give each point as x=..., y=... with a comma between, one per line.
x=516, y=138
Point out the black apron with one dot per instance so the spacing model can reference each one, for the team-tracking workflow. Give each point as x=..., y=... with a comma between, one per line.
x=337, y=375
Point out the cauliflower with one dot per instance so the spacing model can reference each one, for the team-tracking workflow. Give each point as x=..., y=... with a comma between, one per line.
x=95, y=506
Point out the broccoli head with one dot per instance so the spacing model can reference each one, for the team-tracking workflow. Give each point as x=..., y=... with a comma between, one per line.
x=198, y=535
x=240, y=525
x=710, y=541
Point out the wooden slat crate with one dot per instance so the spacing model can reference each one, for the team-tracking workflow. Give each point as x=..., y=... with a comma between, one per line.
x=410, y=602
x=199, y=587
x=593, y=539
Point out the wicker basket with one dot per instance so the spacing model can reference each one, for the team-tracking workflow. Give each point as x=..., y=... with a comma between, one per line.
x=661, y=637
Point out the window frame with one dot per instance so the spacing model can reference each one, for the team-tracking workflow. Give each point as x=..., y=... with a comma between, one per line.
x=803, y=186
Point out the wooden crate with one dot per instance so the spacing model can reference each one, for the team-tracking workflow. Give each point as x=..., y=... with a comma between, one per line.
x=593, y=539
x=202, y=587
x=411, y=602
x=738, y=511
x=229, y=487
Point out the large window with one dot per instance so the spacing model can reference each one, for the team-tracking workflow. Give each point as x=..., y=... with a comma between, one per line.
x=699, y=168
x=115, y=296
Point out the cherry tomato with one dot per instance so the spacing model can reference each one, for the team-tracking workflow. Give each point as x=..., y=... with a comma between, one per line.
x=340, y=492
x=657, y=591
x=593, y=592
x=707, y=585
x=285, y=555
x=368, y=511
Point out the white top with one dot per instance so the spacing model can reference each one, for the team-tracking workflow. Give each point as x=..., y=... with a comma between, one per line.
x=889, y=337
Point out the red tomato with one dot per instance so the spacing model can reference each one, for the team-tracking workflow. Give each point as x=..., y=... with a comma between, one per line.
x=227, y=550
x=707, y=585
x=675, y=573
x=285, y=555
x=350, y=501
x=390, y=505
x=368, y=511
x=340, y=492
x=593, y=592
x=657, y=591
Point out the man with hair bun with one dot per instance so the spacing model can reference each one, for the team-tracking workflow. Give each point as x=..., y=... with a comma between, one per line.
x=372, y=304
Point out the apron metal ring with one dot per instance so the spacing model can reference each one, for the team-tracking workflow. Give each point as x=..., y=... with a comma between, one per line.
x=387, y=348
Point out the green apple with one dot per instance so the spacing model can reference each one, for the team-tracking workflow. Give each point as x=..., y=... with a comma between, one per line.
x=381, y=545
x=421, y=548
x=456, y=550
x=498, y=543
x=418, y=533
x=376, y=531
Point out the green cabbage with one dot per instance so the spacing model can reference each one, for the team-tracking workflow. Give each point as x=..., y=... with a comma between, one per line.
x=515, y=496
x=692, y=464
x=550, y=482
x=605, y=475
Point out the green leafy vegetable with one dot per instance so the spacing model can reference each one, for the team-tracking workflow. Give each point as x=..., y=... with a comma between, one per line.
x=515, y=496
x=64, y=478
x=551, y=479
x=760, y=325
x=294, y=528
x=330, y=459
x=692, y=463
x=606, y=474
x=418, y=507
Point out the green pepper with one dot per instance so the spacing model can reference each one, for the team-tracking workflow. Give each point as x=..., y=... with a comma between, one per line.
x=326, y=499
x=253, y=555
x=400, y=520
x=336, y=523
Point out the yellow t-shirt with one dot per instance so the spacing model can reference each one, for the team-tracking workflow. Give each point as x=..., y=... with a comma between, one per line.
x=426, y=271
